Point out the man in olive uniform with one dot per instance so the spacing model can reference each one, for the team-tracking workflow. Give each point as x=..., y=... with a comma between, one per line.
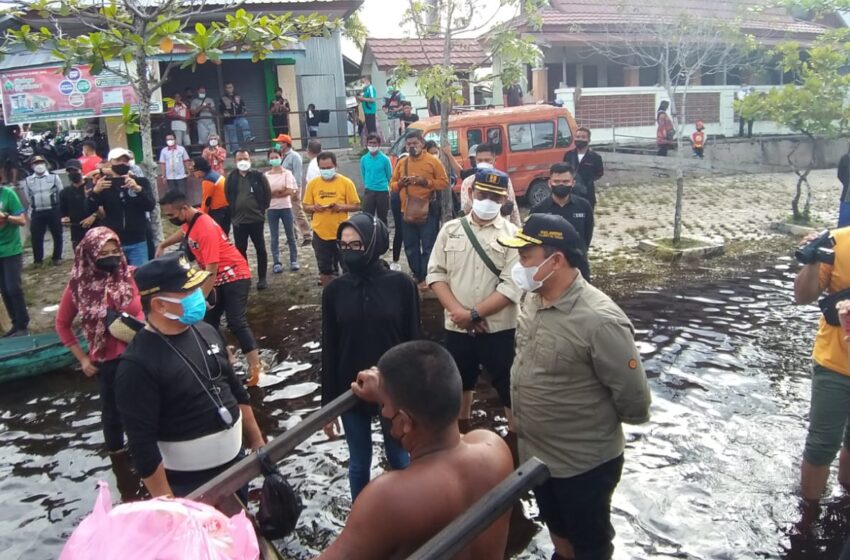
x=576, y=378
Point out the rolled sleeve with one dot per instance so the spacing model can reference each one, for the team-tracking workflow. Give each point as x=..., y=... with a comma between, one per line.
x=506, y=285
x=437, y=268
x=618, y=366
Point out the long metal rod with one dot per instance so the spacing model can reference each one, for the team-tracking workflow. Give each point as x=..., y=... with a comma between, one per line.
x=497, y=501
x=248, y=468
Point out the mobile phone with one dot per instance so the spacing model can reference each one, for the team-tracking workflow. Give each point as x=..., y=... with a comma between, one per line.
x=117, y=182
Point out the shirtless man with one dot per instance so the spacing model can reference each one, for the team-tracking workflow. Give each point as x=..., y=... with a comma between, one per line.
x=419, y=390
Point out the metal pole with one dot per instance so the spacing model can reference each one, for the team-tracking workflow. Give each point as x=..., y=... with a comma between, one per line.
x=240, y=474
x=483, y=513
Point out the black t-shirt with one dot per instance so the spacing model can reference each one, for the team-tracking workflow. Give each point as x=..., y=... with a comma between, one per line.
x=160, y=398
x=74, y=204
x=577, y=211
x=126, y=211
x=408, y=119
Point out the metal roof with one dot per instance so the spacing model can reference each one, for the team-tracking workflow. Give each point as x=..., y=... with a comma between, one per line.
x=421, y=53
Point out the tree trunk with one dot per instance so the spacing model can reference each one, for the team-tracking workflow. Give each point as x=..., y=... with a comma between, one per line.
x=796, y=215
x=447, y=206
x=680, y=158
x=143, y=90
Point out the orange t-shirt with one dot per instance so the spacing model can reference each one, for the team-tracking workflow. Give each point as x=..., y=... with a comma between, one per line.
x=698, y=138
x=212, y=192
x=830, y=347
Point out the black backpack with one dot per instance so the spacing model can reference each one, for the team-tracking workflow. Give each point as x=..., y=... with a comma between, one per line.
x=280, y=504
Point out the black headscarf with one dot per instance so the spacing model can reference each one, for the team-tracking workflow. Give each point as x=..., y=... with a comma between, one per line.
x=373, y=232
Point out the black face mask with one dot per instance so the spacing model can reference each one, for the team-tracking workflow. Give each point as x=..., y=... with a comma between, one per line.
x=176, y=221
x=75, y=177
x=108, y=264
x=562, y=191
x=121, y=169
x=581, y=144
x=355, y=261
x=413, y=152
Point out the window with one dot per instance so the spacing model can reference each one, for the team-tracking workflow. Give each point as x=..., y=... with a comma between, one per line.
x=531, y=136
x=494, y=137
x=590, y=76
x=474, y=137
x=564, y=134
x=616, y=75
x=648, y=76
x=435, y=136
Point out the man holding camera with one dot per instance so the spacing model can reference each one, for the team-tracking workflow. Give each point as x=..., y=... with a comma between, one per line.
x=826, y=268
x=125, y=200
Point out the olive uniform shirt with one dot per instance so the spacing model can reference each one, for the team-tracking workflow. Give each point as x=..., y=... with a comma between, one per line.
x=576, y=377
x=455, y=261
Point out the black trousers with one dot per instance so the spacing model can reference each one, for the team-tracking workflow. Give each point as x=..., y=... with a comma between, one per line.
x=232, y=302
x=113, y=430
x=494, y=351
x=371, y=124
x=255, y=232
x=12, y=291
x=398, y=238
x=42, y=221
x=377, y=203
x=222, y=218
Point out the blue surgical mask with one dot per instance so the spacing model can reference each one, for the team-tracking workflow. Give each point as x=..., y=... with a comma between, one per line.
x=194, y=308
x=328, y=174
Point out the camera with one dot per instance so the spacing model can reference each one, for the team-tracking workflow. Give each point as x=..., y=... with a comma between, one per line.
x=819, y=249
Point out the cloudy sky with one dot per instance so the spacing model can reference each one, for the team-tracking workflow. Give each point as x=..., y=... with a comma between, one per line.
x=382, y=18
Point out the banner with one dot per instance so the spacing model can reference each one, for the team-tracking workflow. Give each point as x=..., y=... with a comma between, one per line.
x=45, y=94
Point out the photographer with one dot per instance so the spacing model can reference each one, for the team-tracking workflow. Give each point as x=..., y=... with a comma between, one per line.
x=826, y=268
x=125, y=200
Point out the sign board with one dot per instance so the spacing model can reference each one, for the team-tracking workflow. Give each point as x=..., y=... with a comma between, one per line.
x=44, y=94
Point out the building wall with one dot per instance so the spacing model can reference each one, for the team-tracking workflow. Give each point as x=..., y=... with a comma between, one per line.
x=321, y=81
x=627, y=114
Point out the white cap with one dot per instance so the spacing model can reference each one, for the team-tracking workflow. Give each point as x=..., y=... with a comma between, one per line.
x=116, y=153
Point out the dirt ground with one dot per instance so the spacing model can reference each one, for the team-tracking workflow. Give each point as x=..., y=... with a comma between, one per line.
x=738, y=209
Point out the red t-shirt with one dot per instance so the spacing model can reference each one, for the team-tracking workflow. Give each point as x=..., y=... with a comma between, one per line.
x=89, y=163
x=210, y=246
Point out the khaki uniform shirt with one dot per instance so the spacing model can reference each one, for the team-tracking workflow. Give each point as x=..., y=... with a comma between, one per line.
x=577, y=375
x=455, y=261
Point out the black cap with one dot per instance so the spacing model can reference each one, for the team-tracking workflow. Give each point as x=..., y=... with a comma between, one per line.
x=545, y=229
x=492, y=181
x=75, y=163
x=169, y=273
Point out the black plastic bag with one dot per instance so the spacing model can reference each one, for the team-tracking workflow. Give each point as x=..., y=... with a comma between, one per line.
x=280, y=504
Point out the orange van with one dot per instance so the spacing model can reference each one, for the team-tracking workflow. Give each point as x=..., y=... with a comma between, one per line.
x=528, y=140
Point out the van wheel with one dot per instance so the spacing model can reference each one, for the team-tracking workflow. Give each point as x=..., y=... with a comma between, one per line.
x=537, y=192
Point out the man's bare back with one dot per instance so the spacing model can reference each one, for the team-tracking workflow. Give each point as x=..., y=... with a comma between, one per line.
x=399, y=511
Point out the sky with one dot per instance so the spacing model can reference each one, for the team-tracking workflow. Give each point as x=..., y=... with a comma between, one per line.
x=383, y=18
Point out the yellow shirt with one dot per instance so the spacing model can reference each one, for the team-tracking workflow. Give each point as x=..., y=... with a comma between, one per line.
x=339, y=190
x=830, y=348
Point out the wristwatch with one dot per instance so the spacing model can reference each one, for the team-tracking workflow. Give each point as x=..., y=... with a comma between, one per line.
x=473, y=314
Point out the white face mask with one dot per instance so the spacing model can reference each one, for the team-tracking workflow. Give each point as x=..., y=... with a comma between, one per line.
x=132, y=163
x=328, y=174
x=374, y=149
x=170, y=142
x=40, y=169
x=243, y=165
x=213, y=143
x=202, y=95
x=486, y=209
x=483, y=165
x=523, y=276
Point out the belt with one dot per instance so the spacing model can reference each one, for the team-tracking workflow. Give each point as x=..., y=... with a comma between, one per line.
x=202, y=453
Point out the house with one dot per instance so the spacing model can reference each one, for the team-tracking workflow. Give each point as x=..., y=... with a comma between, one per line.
x=308, y=72
x=381, y=56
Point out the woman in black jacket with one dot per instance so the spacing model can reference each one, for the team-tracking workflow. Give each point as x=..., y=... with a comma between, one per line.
x=365, y=312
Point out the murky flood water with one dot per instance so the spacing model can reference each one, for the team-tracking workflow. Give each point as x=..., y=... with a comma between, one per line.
x=712, y=476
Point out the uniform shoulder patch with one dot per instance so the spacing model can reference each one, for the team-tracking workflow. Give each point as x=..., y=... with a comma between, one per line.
x=633, y=364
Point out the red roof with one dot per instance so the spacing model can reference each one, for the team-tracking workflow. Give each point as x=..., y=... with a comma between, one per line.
x=576, y=16
x=421, y=53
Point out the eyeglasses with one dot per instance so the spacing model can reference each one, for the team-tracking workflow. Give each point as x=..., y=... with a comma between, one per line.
x=353, y=246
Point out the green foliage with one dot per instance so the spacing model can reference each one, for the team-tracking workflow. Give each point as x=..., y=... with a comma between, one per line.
x=129, y=120
x=355, y=29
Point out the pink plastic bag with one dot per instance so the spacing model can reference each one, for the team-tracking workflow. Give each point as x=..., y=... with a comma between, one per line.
x=160, y=529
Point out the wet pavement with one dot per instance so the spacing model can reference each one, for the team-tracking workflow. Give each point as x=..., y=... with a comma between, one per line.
x=713, y=475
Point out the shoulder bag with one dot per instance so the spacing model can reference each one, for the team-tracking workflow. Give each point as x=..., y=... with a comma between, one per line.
x=488, y=262
x=417, y=208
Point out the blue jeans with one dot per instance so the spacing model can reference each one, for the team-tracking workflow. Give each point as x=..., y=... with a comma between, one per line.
x=136, y=253
x=419, y=241
x=275, y=216
x=844, y=214
x=358, y=435
x=236, y=133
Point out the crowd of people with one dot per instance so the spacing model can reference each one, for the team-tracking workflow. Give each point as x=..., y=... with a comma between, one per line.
x=518, y=307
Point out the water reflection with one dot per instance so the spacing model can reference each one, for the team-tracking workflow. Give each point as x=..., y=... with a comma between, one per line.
x=712, y=476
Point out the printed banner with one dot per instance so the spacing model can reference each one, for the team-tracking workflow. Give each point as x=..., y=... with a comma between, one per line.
x=45, y=94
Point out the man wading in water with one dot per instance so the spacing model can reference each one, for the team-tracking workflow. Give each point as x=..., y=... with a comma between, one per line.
x=419, y=390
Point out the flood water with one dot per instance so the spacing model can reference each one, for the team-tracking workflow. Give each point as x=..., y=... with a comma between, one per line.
x=713, y=475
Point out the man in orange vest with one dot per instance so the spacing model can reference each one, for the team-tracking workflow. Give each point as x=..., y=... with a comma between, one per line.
x=698, y=140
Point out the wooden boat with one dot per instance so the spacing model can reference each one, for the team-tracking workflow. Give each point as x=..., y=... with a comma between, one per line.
x=28, y=356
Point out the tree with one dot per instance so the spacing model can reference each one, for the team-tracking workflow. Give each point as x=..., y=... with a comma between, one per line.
x=131, y=32
x=816, y=106
x=662, y=34
x=447, y=19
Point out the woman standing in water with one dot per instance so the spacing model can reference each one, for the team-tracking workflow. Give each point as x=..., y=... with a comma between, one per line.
x=101, y=280
x=365, y=312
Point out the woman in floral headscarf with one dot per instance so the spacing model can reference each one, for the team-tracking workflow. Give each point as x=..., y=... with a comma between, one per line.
x=101, y=279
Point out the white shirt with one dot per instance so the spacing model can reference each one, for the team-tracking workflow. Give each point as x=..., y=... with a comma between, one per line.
x=312, y=170
x=173, y=160
x=580, y=156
